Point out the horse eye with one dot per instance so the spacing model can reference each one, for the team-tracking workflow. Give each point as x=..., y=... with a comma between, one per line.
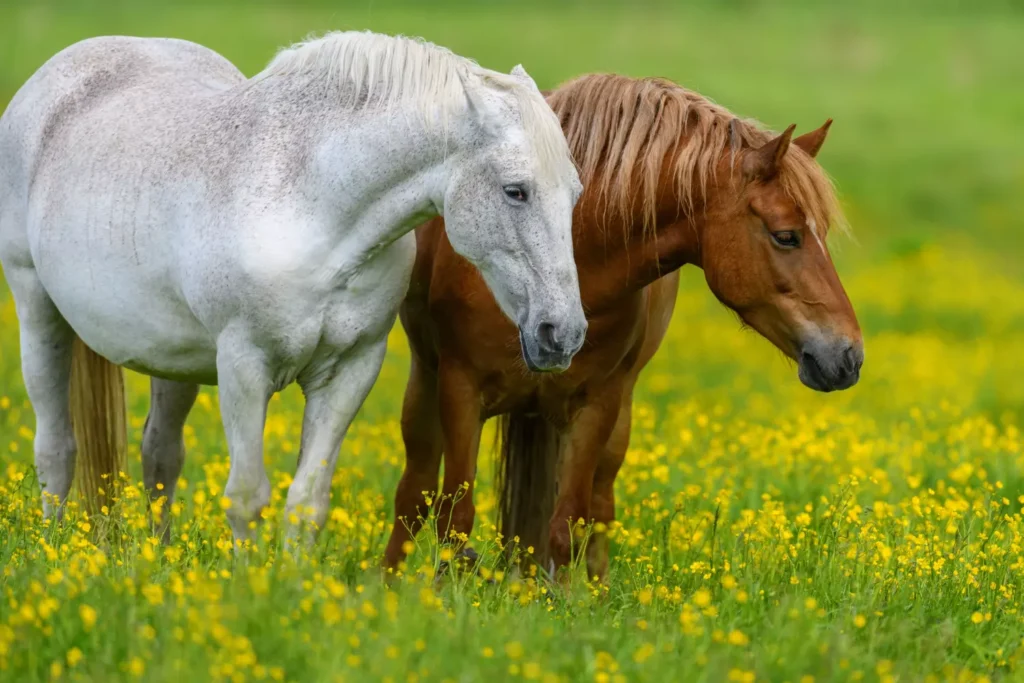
x=786, y=238
x=515, y=192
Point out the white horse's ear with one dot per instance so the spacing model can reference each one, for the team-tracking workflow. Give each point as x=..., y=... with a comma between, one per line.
x=482, y=108
x=520, y=73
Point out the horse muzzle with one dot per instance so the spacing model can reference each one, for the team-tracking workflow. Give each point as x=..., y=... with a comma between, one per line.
x=831, y=367
x=549, y=346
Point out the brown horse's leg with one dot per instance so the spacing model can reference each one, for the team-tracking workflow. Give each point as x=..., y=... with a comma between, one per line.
x=602, y=501
x=590, y=433
x=461, y=423
x=421, y=432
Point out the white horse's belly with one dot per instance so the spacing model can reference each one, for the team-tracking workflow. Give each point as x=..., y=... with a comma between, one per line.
x=164, y=337
x=128, y=310
x=143, y=330
x=164, y=345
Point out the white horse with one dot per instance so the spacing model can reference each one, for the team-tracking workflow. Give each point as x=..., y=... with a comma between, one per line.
x=190, y=224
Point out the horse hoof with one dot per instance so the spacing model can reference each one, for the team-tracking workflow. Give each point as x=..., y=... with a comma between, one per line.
x=465, y=559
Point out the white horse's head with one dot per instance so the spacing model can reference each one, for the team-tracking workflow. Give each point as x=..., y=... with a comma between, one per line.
x=508, y=210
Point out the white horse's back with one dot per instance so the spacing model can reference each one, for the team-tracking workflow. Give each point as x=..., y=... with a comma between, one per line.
x=81, y=142
x=94, y=72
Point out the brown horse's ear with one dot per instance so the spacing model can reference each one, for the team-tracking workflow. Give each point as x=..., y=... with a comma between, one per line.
x=812, y=142
x=763, y=162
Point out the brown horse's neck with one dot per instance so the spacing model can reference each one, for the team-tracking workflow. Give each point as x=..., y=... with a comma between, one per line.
x=619, y=256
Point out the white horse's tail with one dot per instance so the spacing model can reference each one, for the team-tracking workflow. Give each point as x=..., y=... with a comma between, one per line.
x=98, y=415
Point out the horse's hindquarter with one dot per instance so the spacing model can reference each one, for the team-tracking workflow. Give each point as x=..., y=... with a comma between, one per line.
x=110, y=215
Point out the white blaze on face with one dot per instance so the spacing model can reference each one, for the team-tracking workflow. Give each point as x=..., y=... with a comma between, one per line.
x=813, y=227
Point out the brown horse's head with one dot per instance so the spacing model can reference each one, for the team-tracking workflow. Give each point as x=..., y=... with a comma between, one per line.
x=763, y=252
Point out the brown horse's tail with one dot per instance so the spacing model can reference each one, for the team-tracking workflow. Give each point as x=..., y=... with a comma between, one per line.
x=526, y=478
x=98, y=416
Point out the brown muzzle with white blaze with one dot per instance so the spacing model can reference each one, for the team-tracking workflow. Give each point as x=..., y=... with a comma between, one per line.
x=822, y=335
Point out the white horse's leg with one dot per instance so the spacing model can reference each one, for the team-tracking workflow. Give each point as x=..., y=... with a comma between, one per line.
x=46, y=341
x=163, y=446
x=331, y=404
x=245, y=389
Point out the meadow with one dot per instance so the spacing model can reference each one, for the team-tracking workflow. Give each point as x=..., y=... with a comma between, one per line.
x=765, y=532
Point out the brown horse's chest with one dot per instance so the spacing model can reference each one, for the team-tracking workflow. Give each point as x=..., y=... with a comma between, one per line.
x=614, y=340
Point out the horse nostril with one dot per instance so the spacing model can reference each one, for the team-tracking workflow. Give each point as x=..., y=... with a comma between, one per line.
x=850, y=360
x=546, y=336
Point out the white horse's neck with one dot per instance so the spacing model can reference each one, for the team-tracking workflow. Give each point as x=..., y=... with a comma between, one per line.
x=370, y=175
x=379, y=182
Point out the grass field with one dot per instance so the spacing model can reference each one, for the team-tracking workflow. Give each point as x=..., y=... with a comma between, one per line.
x=767, y=533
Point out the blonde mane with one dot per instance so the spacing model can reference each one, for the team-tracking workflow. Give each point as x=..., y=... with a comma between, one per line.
x=382, y=71
x=622, y=131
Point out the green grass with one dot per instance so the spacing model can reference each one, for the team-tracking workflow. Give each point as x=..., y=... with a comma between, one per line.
x=766, y=531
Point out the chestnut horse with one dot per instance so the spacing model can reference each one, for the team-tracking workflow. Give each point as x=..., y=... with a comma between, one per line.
x=670, y=179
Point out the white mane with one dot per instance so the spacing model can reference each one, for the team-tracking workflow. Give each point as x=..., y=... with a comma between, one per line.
x=385, y=71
